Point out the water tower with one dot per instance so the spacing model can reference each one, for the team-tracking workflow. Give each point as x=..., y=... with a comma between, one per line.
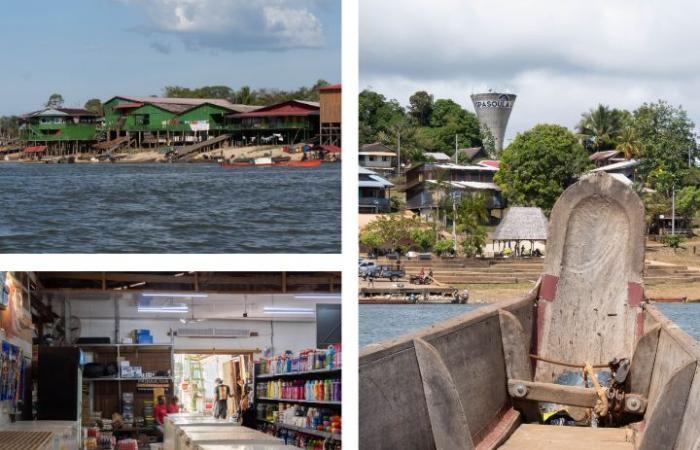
x=493, y=110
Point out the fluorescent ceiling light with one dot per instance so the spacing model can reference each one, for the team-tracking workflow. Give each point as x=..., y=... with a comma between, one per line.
x=283, y=310
x=163, y=294
x=166, y=309
x=311, y=297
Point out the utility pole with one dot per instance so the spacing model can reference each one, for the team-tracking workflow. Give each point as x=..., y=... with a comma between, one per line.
x=456, y=136
x=454, y=222
x=398, y=147
x=673, y=209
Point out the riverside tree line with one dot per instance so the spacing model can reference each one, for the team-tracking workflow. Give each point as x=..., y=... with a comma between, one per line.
x=537, y=166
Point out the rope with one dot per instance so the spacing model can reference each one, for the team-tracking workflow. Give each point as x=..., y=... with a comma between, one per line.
x=566, y=364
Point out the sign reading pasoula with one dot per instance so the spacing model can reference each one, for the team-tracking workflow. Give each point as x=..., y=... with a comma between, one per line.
x=503, y=101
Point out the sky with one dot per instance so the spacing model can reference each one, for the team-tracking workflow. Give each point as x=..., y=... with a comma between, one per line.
x=561, y=57
x=86, y=49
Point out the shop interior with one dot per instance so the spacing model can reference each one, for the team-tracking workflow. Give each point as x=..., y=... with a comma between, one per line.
x=175, y=361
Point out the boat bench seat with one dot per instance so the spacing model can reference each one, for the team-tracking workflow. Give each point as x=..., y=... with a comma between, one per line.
x=538, y=437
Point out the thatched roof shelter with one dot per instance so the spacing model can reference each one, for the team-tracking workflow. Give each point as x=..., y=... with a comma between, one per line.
x=521, y=224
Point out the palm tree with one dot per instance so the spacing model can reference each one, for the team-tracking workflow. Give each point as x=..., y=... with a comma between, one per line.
x=443, y=187
x=628, y=143
x=600, y=126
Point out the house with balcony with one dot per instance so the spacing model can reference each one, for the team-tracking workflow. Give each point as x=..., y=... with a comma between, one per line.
x=378, y=157
x=163, y=120
x=287, y=122
x=428, y=183
x=374, y=192
x=71, y=129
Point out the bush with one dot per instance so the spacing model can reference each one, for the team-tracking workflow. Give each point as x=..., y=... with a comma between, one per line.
x=672, y=241
x=423, y=238
x=443, y=246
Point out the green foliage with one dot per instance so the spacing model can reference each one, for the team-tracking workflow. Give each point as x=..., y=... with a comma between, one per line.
x=421, y=106
x=371, y=239
x=443, y=246
x=392, y=231
x=55, y=101
x=9, y=126
x=94, y=105
x=246, y=95
x=539, y=164
x=688, y=201
x=473, y=243
x=672, y=240
x=427, y=126
x=423, y=238
x=655, y=204
x=600, y=127
x=668, y=139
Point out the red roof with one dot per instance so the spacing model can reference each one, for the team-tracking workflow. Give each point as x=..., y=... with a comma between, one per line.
x=36, y=149
x=331, y=87
x=288, y=108
x=330, y=148
x=490, y=163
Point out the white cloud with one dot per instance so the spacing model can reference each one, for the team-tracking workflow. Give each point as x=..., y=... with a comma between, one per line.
x=561, y=57
x=236, y=25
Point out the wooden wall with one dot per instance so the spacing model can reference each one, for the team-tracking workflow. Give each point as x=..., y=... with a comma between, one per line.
x=331, y=109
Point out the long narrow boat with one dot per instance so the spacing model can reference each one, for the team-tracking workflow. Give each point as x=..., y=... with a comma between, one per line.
x=503, y=375
x=305, y=163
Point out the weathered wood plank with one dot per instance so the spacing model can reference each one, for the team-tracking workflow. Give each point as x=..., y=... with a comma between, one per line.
x=515, y=347
x=554, y=393
x=666, y=417
x=642, y=364
x=538, y=437
x=447, y=418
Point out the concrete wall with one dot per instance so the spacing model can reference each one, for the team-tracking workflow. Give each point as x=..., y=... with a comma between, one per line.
x=393, y=411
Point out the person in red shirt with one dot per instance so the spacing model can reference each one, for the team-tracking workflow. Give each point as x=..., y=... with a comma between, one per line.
x=160, y=410
x=174, y=405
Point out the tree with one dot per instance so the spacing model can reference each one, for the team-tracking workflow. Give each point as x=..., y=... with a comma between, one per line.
x=423, y=238
x=472, y=214
x=539, y=164
x=421, y=106
x=668, y=143
x=628, y=143
x=55, y=101
x=94, y=105
x=688, y=201
x=600, y=126
x=9, y=126
x=393, y=231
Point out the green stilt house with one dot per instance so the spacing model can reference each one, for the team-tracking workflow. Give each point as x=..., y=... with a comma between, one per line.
x=59, y=131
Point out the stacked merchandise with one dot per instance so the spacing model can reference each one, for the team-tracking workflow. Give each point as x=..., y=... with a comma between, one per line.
x=327, y=390
x=306, y=361
x=302, y=440
x=128, y=444
x=128, y=408
x=301, y=416
x=149, y=421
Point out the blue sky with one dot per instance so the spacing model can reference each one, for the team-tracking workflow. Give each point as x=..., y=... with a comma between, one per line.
x=100, y=48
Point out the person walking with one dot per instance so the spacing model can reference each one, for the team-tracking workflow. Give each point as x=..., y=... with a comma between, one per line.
x=222, y=393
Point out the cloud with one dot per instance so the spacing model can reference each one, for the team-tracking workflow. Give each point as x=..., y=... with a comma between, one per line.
x=161, y=47
x=560, y=57
x=234, y=25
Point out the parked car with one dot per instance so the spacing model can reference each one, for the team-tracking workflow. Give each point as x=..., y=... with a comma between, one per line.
x=389, y=272
x=365, y=265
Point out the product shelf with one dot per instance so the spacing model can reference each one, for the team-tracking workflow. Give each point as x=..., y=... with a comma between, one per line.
x=308, y=402
x=300, y=374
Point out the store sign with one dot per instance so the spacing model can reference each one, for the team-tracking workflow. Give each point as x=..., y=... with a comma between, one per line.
x=503, y=101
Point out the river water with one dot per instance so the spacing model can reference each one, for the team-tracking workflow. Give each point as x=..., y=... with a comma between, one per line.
x=379, y=322
x=168, y=208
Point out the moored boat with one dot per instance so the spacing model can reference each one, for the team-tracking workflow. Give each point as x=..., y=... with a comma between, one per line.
x=267, y=162
x=583, y=349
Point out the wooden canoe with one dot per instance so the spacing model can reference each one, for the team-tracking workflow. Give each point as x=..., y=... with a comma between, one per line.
x=307, y=163
x=478, y=381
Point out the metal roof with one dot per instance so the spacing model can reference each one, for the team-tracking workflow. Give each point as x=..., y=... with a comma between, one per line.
x=451, y=166
x=437, y=156
x=472, y=185
x=376, y=147
x=617, y=166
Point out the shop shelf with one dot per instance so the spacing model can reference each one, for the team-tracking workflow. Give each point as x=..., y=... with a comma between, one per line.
x=308, y=402
x=299, y=374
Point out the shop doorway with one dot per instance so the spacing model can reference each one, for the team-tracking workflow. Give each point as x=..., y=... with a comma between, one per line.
x=196, y=372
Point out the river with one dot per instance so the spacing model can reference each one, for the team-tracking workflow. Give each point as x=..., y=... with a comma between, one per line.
x=379, y=322
x=169, y=208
